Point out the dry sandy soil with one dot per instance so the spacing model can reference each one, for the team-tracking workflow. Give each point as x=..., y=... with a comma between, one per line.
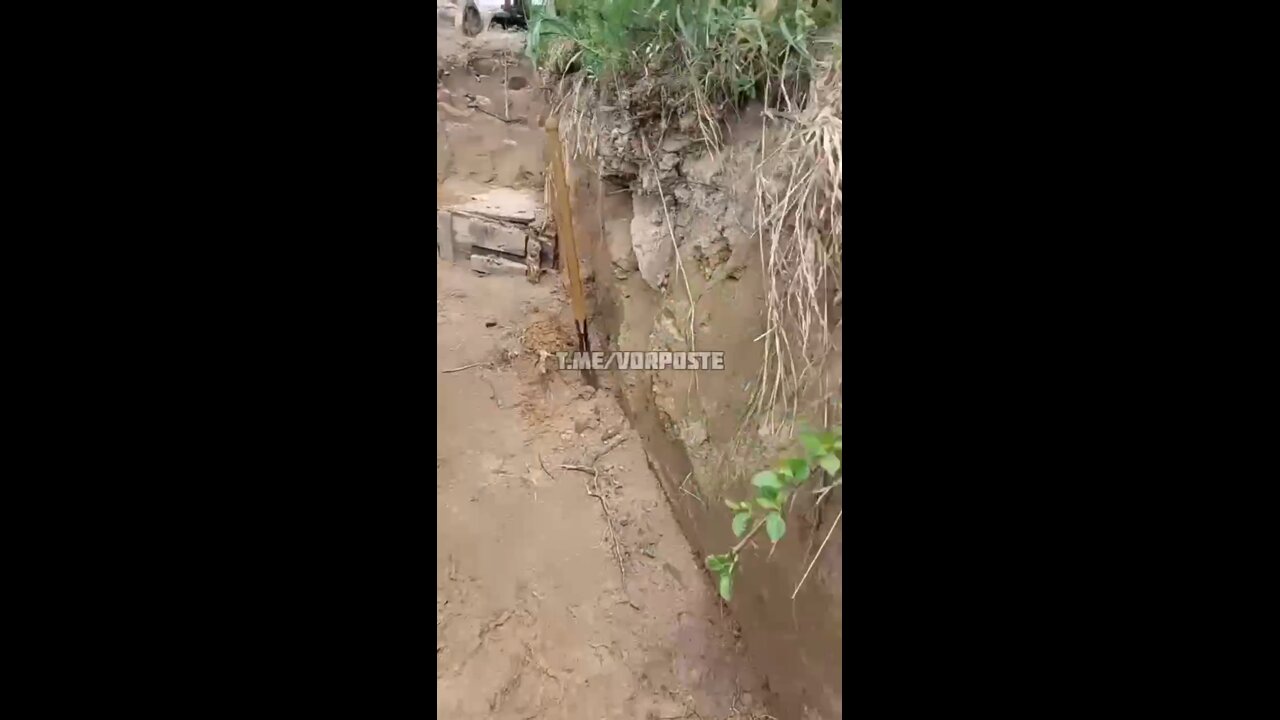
x=552, y=602
x=562, y=594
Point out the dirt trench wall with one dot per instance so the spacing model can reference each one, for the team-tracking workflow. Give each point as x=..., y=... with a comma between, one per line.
x=696, y=432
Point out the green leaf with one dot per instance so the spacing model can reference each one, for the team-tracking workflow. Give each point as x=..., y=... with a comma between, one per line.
x=716, y=563
x=767, y=503
x=726, y=587
x=740, y=523
x=733, y=504
x=837, y=444
x=812, y=445
x=765, y=479
x=799, y=469
x=830, y=463
x=775, y=526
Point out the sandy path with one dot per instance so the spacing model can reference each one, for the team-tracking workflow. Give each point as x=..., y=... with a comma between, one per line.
x=533, y=618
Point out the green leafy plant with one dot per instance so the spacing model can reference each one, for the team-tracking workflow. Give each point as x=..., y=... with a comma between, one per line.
x=821, y=460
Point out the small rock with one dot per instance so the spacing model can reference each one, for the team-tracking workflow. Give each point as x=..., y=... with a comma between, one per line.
x=670, y=333
x=694, y=434
x=675, y=143
x=490, y=323
x=587, y=392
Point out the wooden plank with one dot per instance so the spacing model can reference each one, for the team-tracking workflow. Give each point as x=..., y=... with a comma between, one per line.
x=505, y=204
x=501, y=237
x=564, y=222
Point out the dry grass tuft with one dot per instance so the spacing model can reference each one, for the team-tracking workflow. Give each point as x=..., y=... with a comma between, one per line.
x=547, y=335
x=798, y=212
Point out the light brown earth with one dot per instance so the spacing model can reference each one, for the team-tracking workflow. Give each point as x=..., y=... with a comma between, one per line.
x=552, y=602
x=535, y=616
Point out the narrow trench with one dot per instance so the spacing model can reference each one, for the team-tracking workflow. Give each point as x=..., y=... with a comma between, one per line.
x=565, y=587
